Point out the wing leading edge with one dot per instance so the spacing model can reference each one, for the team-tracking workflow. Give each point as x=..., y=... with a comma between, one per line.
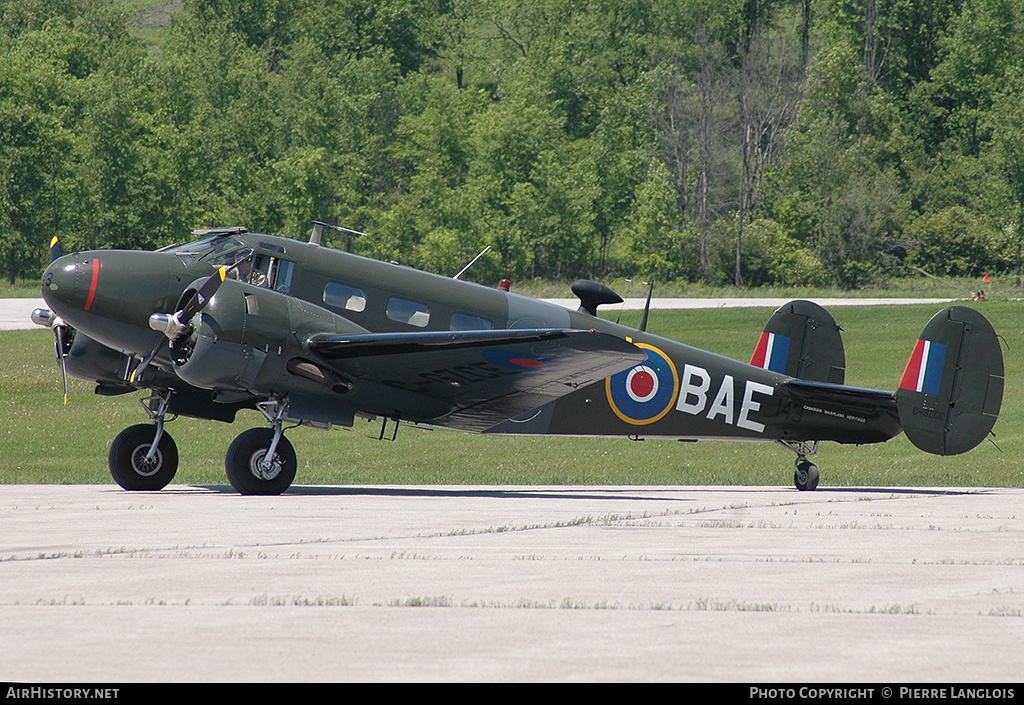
x=472, y=380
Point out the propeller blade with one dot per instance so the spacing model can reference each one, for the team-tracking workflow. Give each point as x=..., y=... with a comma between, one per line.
x=54, y=249
x=59, y=341
x=203, y=296
x=137, y=374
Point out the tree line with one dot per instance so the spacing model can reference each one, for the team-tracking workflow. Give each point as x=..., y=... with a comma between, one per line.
x=789, y=142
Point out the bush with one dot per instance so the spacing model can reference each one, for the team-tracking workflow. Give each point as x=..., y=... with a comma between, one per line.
x=953, y=242
x=771, y=256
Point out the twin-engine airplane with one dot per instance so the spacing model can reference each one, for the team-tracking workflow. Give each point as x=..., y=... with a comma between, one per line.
x=310, y=335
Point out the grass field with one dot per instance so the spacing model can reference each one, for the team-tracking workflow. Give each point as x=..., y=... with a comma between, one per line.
x=43, y=441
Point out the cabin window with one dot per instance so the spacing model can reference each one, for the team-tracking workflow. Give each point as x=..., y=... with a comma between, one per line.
x=415, y=314
x=465, y=321
x=346, y=297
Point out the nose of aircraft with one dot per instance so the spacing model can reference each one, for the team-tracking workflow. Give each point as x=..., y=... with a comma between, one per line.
x=110, y=294
x=67, y=282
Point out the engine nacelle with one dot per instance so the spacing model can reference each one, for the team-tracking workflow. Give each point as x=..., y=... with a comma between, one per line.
x=249, y=340
x=93, y=361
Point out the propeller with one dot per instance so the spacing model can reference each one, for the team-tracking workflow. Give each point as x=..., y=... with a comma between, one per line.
x=63, y=334
x=63, y=337
x=178, y=324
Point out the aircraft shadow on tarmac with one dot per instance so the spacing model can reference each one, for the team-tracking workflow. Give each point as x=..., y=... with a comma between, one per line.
x=617, y=493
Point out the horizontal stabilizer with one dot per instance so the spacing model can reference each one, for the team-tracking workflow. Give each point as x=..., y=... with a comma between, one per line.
x=805, y=390
x=802, y=340
x=952, y=388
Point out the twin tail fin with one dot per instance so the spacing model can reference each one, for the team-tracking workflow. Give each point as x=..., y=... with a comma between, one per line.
x=952, y=388
x=950, y=393
x=802, y=340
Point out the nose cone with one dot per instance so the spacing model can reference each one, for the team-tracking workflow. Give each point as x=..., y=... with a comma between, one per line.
x=67, y=282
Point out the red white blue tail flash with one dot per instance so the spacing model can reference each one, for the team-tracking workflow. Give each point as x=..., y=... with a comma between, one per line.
x=771, y=352
x=924, y=370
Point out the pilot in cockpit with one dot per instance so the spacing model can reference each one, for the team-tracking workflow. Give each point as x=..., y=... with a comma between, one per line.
x=243, y=270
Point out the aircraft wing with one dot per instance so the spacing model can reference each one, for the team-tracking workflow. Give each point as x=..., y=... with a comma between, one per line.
x=471, y=380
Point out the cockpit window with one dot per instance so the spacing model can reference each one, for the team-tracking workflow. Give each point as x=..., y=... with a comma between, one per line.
x=216, y=249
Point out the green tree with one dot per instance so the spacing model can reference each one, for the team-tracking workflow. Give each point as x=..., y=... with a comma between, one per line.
x=658, y=248
x=1009, y=155
x=953, y=242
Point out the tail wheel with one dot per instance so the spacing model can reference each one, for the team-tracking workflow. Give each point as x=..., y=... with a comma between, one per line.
x=806, y=475
x=247, y=467
x=132, y=465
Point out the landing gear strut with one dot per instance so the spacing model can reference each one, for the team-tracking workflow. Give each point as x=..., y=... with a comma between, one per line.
x=805, y=474
x=261, y=461
x=143, y=457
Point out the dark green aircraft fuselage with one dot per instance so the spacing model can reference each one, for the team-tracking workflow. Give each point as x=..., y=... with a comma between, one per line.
x=257, y=337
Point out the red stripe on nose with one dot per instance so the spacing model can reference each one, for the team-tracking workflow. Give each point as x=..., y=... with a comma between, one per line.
x=92, y=286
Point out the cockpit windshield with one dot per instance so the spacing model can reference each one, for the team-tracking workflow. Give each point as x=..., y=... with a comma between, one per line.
x=215, y=250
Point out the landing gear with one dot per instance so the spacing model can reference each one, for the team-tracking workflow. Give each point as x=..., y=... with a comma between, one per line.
x=143, y=457
x=805, y=474
x=261, y=461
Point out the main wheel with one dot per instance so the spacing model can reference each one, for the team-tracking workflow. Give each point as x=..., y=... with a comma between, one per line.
x=129, y=466
x=245, y=469
x=806, y=475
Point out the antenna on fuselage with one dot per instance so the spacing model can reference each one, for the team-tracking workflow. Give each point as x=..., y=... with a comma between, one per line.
x=472, y=262
x=647, y=308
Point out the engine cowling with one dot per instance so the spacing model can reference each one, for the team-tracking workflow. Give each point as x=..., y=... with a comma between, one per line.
x=248, y=340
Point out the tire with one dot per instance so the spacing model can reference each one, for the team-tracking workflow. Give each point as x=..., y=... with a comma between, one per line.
x=128, y=464
x=247, y=451
x=806, y=476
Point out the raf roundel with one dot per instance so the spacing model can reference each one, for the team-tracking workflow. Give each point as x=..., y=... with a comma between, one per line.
x=643, y=394
x=642, y=384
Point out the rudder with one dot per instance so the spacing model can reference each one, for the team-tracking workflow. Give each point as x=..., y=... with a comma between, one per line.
x=952, y=388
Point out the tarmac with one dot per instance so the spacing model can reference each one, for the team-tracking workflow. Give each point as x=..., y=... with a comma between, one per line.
x=761, y=585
